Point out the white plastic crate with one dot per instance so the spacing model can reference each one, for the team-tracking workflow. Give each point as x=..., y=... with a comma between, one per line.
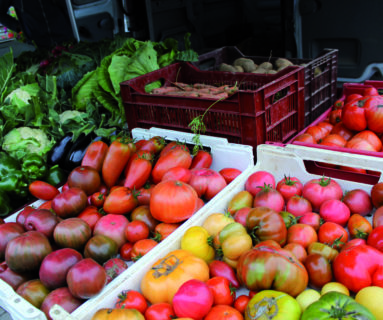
x=278, y=160
x=224, y=155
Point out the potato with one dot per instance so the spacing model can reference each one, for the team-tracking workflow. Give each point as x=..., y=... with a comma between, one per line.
x=266, y=65
x=260, y=71
x=239, y=68
x=227, y=67
x=248, y=65
x=282, y=62
x=272, y=71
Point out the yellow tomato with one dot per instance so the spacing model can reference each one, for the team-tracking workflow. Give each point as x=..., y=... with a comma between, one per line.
x=372, y=298
x=335, y=286
x=307, y=297
x=196, y=241
x=216, y=222
x=233, y=247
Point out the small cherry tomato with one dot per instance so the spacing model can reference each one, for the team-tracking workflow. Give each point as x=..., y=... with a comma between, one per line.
x=136, y=230
x=126, y=251
x=131, y=299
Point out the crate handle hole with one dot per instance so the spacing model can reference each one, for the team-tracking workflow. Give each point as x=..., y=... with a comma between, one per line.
x=333, y=171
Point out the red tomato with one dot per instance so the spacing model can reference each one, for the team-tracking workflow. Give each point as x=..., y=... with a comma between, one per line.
x=334, y=140
x=359, y=226
x=229, y=174
x=289, y=187
x=116, y=159
x=377, y=219
x=354, y=242
x=153, y=145
x=177, y=173
x=206, y=182
x=219, y=268
x=319, y=270
x=298, y=206
x=333, y=235
x=174, y=157
x=131, y=299
x=377, y=195
x=142, y=247
x=43, y=190
x=136, y=230
x=302, y=234
x=312, y=219
x=241, y=302
x=335, y=211
x=370, y=91
x=340, y=129
x=259, y=179
x=160, y=311
x=121, y=200
x=222, y=291
x=95, y=155
x=143, y=196
x=317, y=132
x=353, y=96
x=338, y=104
x=163, y=230
x=46, y=205
x=269, y=197
x=358, y=201
x=138, y=170
x=97, y=199
x=202, y=159
x=297, y=250
x=359, y=144
x=375, y=239
x=306, y=138
x=86, y=178
x=142, y=213
x=318, y=191
x=371, y=138
x=90, y=215
x=353, y=114
x=126, y=251
x=335, y=116
x=223, y=312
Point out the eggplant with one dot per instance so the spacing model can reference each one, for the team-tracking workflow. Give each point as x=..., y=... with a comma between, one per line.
x=60, y=150
x=74, y=157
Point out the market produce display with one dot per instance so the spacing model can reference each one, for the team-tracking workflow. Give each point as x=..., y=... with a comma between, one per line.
x=354, y=122
x=54, y=104
x=88, y=232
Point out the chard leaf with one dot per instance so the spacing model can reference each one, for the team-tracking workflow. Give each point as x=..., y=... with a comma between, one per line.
x=6, y=70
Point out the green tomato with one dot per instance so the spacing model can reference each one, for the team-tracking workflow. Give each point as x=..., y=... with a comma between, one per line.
x=272, y=305
x=336, y=306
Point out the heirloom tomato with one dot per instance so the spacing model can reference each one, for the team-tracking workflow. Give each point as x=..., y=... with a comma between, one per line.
x=240, y=200
x=131, y=299
x=202, y=159
x=267, y=267
x=241, y=302
x=163, y=230
x=319, y=270
x=297, y=250
x=359, y=227
x=305, y=138
x=136, y=230
x=196, y=240
x=234, y=240
x=86, y=178
x=33, y=291
x=259, y=179
x=206, y=182
x=266, y=224
x=229, y=174
x=323, y=249
x=302, y=234
x=358, y=201
x=113, y=314
x=142, y=213
x=121, y=200
x=138, y=170
x=333, y=235
x=344, y=132
x=377, y=195
x=298, y=206
x=272, y=304
x=269, y=197
x=163, y=279
x=160, y=311
x=153, y=145
x=126, y=251
x=375, y=238
x=177, y=173
x=319, y=190
x=72, y=233
x=216, y=222
x=223, y=312
x=222, y=291
x=90, y=215
x=289, y=187
x=100, y=248
x=142, y=247
x=333, y=140
x=218, y=268
x=69, y=203
x=371, y=138
x=312, y=219
x=334, y=210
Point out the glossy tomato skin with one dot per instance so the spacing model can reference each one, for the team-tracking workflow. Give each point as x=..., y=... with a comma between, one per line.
x=86, y=178
x=375, y=239
x=206, y=182
x=298, y=206
x=319, y=270
x=126, y=251
x=95, y=155
x=177, y=173
x=268, y=224
x=334, y=210
x=142, y=213
x=377, y=219
x=302, y=234
x=269, y=197
x=259, y=179
x=297, y=250
x=121, y=200
x=136, y=230
x=223, y=312
x=138, y=170
x=202, y=159
x=312, y=219
x=160, y=311
x=69, y=203
x=219, y=268
x=358, y=201
x=229, y=174
x=241, y=302
x=333, y=234
x=114, y=267
x=222, y=293
x=14, y=279
x=377, y=195
x=193, y=299
x=142, y=247
x=33, y=291
x=289, y=187
x=90, y=215
x=131, y=299
x=100, y=248
x=112, y=226
x=86, y=278
x=8, y=231
x=72, y=233
x=43, y=190
x=319, y=190
x=353, y=116
x=163, y=230
x=358, y=226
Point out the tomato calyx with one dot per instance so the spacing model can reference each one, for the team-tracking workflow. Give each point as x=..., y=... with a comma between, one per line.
x=324, y=182
x=337, y=243
x=361, y=235
x=137, y=257
x=157, y=237
x=210, y=241
x=266, y=187
x=265, y=307
x=164, y=268
x=289, y=182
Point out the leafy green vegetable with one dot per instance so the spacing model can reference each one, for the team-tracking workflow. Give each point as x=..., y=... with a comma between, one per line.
x=6, y=71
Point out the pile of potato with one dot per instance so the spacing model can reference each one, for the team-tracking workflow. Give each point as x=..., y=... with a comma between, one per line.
x=248, y=65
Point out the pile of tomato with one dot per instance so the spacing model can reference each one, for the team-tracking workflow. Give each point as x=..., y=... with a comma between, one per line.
x=285, y=249
x=355, y=122
x=119, y=204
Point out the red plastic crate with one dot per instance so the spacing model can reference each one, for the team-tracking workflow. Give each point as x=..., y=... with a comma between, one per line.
x=348, y=88
x=263, y=109
x=320, y=89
